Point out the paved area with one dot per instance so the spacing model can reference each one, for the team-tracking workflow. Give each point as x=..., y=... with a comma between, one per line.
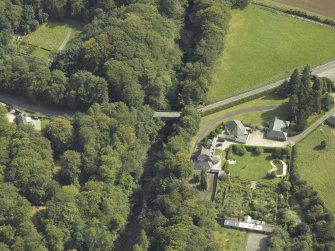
x=275, y=169
x=10, y=117
x=295, y=139
x=256, y=242
x=37, y=124
x=203, y=131
x=257, y=139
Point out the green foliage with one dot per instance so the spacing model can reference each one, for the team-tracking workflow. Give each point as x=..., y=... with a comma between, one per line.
x=239, y=150
x=258, y=150
x=70, y=167
x=203, y=180
x=17, y=231
x=61, y=134
x=30, y=167
x=143, y=242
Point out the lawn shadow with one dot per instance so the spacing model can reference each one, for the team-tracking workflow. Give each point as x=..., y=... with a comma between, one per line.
x=74, y=24
x=272, y=97
x=280, y=112
x=318, y=148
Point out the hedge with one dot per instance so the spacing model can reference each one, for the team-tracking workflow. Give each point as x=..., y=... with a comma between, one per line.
x=299, y=13
x=237, y=102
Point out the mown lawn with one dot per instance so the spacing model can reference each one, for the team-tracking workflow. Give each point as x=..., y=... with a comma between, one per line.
x=230, y=239
x=251, y=167
x=317, y=166
x=50, y=36
x=262, y=118
x=262, y=46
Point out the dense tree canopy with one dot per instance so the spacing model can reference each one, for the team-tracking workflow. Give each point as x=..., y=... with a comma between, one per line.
x=80, y=174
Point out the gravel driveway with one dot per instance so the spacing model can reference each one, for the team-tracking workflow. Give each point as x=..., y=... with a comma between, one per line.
x=256, y=242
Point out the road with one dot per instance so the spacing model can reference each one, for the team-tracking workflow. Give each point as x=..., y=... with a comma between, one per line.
x=295, y=139
x=22, y=103
x=325, y=70
x=203, y=131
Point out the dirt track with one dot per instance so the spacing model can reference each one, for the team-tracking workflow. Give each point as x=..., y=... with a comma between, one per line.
x=322, y=7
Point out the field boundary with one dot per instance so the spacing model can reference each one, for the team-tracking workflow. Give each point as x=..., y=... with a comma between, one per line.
x=240, y=101
x=294, y=11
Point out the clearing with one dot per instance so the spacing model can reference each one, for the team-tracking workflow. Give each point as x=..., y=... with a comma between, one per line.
x=262, y=46
x=322, y=7
x=230, y=239
x=316, y=165
x=51, y=36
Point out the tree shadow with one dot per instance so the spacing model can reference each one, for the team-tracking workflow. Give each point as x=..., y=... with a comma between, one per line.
x=280, y=112
x=318, y=148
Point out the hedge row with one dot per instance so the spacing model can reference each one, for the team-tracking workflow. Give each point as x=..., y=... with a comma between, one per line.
x=299, y=13
x=237, y=102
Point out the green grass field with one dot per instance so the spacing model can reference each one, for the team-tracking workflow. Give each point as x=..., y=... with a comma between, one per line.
x=50, y=36
x=271, y=99
x=230, y=239
x=317, y=166
x=262, y=118
x=251, y=167
x=262, y=46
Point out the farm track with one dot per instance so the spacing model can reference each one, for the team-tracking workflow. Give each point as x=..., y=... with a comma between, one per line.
x=66, y=39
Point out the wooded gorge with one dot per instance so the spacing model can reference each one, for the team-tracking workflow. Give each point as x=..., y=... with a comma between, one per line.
x=74, y=185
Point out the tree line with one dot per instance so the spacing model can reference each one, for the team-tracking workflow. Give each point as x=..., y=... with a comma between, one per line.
x=177, y=218
x=308, y=94
x=157, y=53
x=316, y=229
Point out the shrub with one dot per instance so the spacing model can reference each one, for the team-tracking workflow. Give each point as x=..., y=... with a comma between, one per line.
x=258, y=150
x=272, y=174
x=239, y=150
x=196, y=178
x=229, y=153
x=277, y=153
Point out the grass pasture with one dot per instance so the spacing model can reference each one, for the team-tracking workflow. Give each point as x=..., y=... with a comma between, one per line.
x=49, y=36
x=230, y=239
x=317, y=166
x=263, y=46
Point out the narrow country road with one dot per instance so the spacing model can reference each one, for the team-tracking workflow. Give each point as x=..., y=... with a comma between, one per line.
x=66, y=39
x=23, y=103
x=203, y=131
x=325, y=70
x=295, y=139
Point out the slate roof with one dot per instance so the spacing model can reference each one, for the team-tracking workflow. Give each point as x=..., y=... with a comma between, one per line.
x=236, y=128
x=23, y=118
x=278, y=129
